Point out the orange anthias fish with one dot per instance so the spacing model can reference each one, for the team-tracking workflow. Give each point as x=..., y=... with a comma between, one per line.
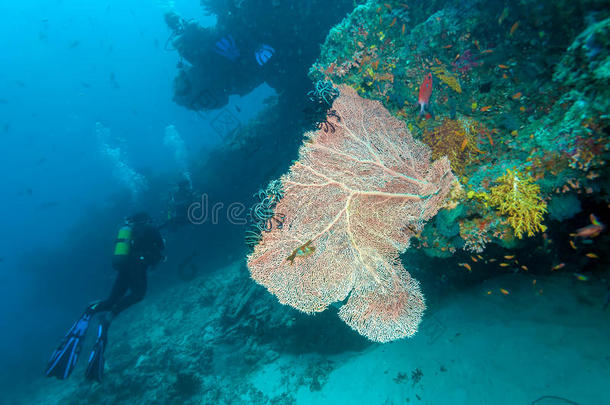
x=425, y=91
x=591, y=231
x=517, y=96
x=514, y=28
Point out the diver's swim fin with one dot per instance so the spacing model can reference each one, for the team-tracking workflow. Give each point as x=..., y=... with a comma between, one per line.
x=64, y=358
x=95, y=367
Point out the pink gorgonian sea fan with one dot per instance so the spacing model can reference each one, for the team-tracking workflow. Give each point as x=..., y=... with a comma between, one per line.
x=351, y=203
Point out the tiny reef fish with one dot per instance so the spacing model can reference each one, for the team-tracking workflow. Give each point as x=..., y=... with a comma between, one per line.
x=302, y=251
x=517, y=96
x=559, y=266
x=514, y=28
x=466, y=266
x=592, y=256
x=503, y=291
x=591, y=231
x=486, y=108
x=425, y=91
x=581, y=277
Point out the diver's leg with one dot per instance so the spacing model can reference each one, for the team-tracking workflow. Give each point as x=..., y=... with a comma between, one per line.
x=121, y=284
x=137, y=286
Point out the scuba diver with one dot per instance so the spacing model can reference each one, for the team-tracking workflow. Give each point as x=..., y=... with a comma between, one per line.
x=138, y=247
x=180, y=200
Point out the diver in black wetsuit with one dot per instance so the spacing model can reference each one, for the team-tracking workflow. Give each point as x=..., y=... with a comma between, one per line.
x=180, y=200
x=134, y=254
x=138, y=247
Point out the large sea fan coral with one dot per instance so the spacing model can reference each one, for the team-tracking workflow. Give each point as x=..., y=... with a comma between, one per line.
x=352, y=201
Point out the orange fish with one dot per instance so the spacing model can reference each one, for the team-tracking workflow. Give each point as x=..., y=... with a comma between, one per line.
x=425, y=91
x=387, y=6
x=516, y=96
x=486, y=108
x=592, y=256
x=504, y=264
x=480, y=257
x=474, y=259
x=514, y=28
x=393, y=22
x=504, y=67
x=524, y=267
x=403, y=29
x=378, y=9
x=447, y=46
x=489, y=292
x=503, y=291
x=572, y=245
x=591, y=231
x=509, y=257
x=487, y=51
x=522, y=109
x=534, y=282
x=465, y=265
x=476, y=43
x=559, y=266
x=504, y=76
x=360, y=44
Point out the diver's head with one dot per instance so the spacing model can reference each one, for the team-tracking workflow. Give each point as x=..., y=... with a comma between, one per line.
x=139, y=218
x=173, y=21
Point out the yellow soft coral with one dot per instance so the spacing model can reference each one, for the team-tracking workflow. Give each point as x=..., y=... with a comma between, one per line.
x=447, y=78
x=517, y=197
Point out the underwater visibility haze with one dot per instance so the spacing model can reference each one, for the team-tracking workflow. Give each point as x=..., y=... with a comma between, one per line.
x=305, y=202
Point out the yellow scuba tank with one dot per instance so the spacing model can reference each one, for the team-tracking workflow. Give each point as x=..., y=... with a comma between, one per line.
x=122, y=246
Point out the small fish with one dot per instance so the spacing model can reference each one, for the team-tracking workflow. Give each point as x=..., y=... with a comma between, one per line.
x=476, y=43
x=591, y=231
x=474, y=259
x=559, y=266
x=489, y=292
x=509, y=257
x=403, y=29
x=524, y=267
x=592, y=256
x=514, y=28
x=581, y=277
x=504, y=264
x=503, y=66
x=304, y=250
x=466, y=266
x=492, y=260
x=503, y=291
x=516, y=96
x=504, y=76
x=389, y=7
x=503, y=15
x=448, y=46
x=487, y=51
x=360, y=44
x=486, y=108
x=522, y=109
x=462, y=147
x=480, y=257
x=534, y=282
x=425, y=91
x=572, y=245
x=393, y=22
